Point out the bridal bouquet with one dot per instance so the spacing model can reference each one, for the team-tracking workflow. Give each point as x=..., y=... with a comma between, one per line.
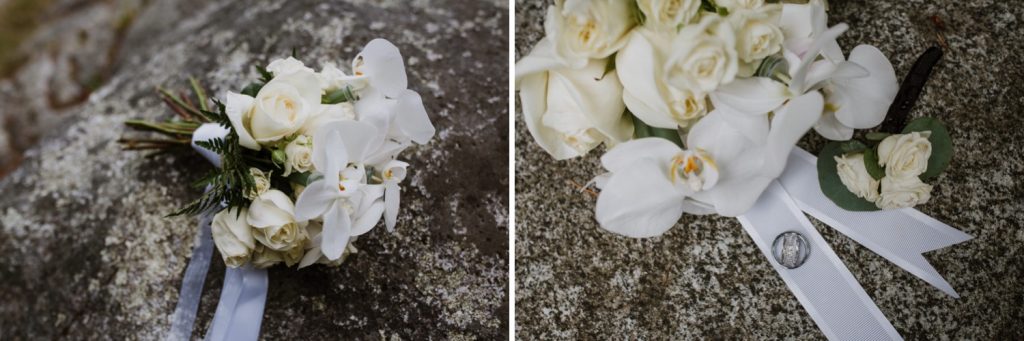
x=702, y=102
x=306, y=160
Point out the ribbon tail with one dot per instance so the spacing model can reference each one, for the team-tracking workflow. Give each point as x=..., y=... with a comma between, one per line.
x=240, y=309
x=184, y=317
x=900, y=236
x=824, y=286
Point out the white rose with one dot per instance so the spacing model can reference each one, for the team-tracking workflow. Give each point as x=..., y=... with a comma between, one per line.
x=646, y=90
x=285, y=66
x=264, y=257
x=328, y=113
x=735, y=5
x=300, y=155
x=260, y=183
x=571, y=111
x=703, y=56
x=854, y=175
x=279, y=109
x=899, y=192
x=757, y=32
x=233, y=236
x=587, y=29
x=668, y=14
x=273, y=220
x=905, y=155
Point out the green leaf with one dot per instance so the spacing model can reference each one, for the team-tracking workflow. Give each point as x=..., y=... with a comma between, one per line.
x=942, y=145
x=265, y=76
x=252, y=89
x=871, y=164
x=832, y=187
x=338, y=96
x=641, y=130
x=769, y=65
x=876, y=136
x=304, y=178
x=852, y=146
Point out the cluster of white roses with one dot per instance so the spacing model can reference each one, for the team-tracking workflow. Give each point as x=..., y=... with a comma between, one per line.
x=738, y=82
x=905, y=158
x=346, y=152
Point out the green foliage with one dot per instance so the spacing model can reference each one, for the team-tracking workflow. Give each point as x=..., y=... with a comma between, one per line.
x=641, y=130
x=769, y=65
x=852, y=146
x=265, y=76
x=252, y=89
x=832, y=186
x=942, y=145
x=229, y=183
x=338, y=96
x=871, y=164
x=876, y=136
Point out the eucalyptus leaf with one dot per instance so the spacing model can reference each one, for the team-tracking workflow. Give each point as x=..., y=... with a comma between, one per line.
x=871, y=164
x=832, y=186
x=942, y=145
x=338, y=96
x=876, y=136
x=852, y=146
x=304, y=178
x=641, y=130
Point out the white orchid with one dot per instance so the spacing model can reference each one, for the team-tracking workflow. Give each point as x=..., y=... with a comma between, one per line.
x=857, y=91
x=392, y=174
x=653, y=182
x=349, y=205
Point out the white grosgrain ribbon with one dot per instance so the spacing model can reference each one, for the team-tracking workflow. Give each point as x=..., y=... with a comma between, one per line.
x=240, y=309
x=823, y=285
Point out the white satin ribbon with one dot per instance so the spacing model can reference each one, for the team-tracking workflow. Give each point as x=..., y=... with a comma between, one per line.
x=823, y=285
x=240, y=309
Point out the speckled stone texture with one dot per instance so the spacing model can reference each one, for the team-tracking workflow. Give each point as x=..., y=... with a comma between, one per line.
x=85, y=249
x=705, y=278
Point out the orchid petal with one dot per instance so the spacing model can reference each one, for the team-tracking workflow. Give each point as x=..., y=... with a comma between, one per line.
x=357, y=136
x=790, y=123
x=392, y=193
x=412, y=118
x=753, y=96
x=329, y=153
x=625, y=155
x=708, y=133
x=384, y=65
x=639, y=202
x=830, y=128
x=337, y=231
x=863, y=102
x=735, y=197
x=315, y=199
x=368, y=219
x=236, y=106
x=799, y=74
x=311, y=256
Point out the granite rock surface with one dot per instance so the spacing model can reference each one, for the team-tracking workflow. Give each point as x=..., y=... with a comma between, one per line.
x=85, y=249
x=705, y=278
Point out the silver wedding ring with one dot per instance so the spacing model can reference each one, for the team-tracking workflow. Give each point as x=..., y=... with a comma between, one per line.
x=791, y=249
